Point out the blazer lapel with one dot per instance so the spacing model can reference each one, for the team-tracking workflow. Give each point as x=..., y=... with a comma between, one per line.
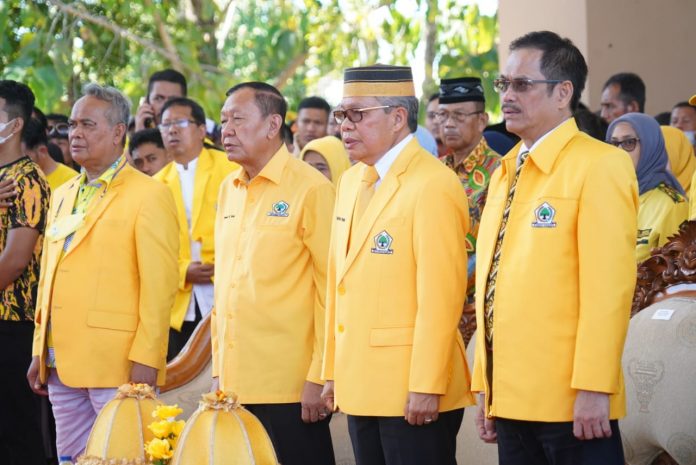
x=96, y=209
x=65, y=205
x=385, y=192
x=200, y=183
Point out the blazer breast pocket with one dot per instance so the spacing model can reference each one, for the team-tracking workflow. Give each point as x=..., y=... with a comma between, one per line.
x=388, y=337
x=112, y=320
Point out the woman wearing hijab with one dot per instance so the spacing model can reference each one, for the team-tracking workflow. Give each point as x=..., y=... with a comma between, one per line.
x=681, y=156
x=663, y=206
x=327, y=155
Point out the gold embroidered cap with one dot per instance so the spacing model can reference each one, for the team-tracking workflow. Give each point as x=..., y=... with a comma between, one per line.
x=378, y=81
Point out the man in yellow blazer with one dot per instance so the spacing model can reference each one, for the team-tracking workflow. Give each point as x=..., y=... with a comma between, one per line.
x=108, y=275
x=555, y=271
x=393, y=358
x=271, y=243
x=194, y=178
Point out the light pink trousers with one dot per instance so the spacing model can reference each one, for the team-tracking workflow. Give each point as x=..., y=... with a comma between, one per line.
x=75, y=410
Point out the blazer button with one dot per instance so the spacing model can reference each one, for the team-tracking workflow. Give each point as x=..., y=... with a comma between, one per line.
x=341, y=289
x=341, y=328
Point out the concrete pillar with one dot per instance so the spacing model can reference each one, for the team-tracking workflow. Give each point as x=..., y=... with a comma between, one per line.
x=653, y=38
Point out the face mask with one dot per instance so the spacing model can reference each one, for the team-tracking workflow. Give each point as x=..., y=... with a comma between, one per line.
x=691, y=135
x=2, y=128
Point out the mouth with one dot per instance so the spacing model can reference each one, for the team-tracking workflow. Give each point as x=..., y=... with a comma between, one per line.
x=509, y=111
x=350, y=142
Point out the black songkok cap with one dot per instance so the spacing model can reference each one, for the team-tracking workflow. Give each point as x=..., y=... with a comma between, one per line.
x=462, y=89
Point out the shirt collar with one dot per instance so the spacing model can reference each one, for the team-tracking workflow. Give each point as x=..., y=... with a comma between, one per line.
x=106, y=177
x=475, y=158
x=190, y=167
x=383, y=164
x=273, y=170
x=536, y=144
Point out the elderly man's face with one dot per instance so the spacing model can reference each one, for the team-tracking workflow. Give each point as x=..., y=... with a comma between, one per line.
x=244, y=128
x=368, y=139
x=461, y=124
x=93, y=140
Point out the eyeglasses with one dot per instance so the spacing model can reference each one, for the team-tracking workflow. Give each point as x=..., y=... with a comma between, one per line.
x=58, y=129
x=354, y=115
x=628, y=145
x=458, y=116
x=180, y=123
x=520, y=85
x=431, y=114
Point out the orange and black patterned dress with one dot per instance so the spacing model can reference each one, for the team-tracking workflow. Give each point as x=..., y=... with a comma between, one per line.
x=28, y=210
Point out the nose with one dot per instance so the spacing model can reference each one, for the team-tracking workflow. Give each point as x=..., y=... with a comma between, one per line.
x=227, y=130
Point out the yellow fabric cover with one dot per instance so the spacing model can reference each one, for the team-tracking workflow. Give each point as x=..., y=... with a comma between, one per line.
x=331, y=148
x=120, y=430
x=681, y=155
x=213, y=167
x=219, y=434
x=661, y=211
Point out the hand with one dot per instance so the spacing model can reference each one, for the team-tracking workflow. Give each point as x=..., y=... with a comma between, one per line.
x=591, y=415
x=215, y=384
x=34, y=379
x=313, y=409
x=327, y=396
x=485, y=426
x=145, y=112
x=143, y=374
x=8, y=190
x=200, y=273
x=421, y=409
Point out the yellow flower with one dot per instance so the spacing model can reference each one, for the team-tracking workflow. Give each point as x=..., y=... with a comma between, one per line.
x=159, y=449
x=177, y=427
x=161, y=429
x=165, y=412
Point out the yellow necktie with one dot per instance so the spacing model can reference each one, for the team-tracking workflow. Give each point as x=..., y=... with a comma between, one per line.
x=367, y=190
x=493, y=272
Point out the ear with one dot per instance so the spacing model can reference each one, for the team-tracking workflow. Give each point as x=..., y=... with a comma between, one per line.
x=43, y=151
x=565, y=94
x=400, y=118
x=119, y=132
x=202, y=132
x=275, y=123
x=632, y=107
x=18, y=126
x=482, y=121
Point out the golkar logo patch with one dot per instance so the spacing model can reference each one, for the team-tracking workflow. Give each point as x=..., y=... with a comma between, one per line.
x=383, y=242
x=544, y=215
x=279, y=209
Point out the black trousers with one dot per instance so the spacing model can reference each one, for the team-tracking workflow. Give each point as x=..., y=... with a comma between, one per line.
x=178, y=339
x=21, y=442
x=539, y=443
x=295, y=442
x=392, y=441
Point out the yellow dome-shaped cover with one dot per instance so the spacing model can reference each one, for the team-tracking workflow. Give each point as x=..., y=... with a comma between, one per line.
x=120, y=432
x=222, y=432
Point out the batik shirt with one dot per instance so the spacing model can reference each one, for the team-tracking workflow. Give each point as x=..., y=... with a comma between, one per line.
x=28, y=210
x=474, y=173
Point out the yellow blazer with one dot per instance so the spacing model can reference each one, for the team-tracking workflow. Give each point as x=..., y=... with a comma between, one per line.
x=108, y=298
x=566, y=277
x=212, y=167
x=395, y=297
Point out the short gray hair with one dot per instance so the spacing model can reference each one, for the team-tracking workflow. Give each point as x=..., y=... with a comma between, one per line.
x=120, y=105
x=409, y=103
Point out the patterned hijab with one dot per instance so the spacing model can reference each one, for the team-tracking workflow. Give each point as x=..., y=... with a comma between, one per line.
x=652, y=167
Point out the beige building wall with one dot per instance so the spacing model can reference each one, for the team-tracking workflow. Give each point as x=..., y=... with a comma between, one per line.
x=653, y=38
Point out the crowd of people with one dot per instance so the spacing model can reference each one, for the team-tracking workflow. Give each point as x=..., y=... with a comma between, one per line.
x=335, y=254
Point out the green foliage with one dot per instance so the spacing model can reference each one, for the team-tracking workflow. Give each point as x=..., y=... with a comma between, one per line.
x=298, y=45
